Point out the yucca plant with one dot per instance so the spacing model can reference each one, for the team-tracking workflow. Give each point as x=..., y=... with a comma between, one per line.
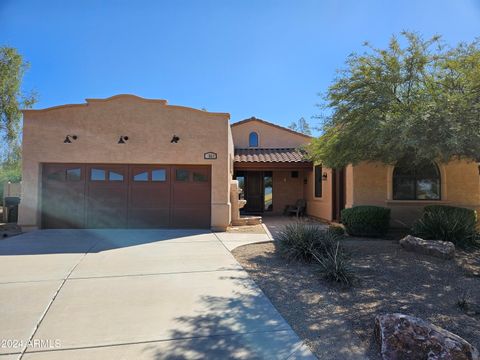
x=334, y=264
x=447, y=224
x=296, y=241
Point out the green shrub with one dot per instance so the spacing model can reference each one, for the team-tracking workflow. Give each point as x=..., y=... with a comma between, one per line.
x=369, y=221
x=447, y=223
x=337, y=229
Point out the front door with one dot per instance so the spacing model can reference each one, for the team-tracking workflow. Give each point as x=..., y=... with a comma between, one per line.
x=338, y=193
x=254, y=191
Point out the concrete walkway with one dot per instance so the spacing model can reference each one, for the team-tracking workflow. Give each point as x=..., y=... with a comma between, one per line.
x=135, y=294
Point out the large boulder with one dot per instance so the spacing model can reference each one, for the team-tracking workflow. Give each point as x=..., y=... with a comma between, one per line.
x=405, y=337
x=437, y=248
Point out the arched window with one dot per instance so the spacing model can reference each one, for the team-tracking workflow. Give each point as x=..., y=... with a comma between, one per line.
x=253, y=139
x=416, y=183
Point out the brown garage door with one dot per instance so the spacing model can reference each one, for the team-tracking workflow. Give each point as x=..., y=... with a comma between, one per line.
x=125, y=196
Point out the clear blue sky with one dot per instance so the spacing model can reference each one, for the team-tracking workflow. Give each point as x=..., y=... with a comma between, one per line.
x=260, y=58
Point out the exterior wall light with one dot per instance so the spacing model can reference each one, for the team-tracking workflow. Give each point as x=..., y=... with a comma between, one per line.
x=123, y=139
x=175, y=139
x=324, y=176
x=69, y=138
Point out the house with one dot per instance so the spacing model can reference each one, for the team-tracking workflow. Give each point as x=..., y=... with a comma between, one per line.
x=131, y=162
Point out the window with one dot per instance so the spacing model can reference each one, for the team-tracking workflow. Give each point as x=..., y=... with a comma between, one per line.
x=182, y=175
x=57, y=175
x=143, y=176
x=318, y=180
x=199, y=177
x=74, y=174
x=97, y=175
x=115, y=176
x=268, y=191
x=294, y=174
x=253, y=139
x=159, y=175
x=416, y=183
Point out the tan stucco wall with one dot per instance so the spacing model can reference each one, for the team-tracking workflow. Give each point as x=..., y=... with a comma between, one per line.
x=319, y=207
x=371, y=184
x=286, y=190
x=149, y=124
x=268, y=136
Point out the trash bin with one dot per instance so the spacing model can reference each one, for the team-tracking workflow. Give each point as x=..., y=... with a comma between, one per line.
x=11, y=204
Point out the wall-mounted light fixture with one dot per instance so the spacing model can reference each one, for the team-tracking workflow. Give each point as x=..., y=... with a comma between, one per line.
x=175, y=139
x=123, y=139
x=69, y=138
x=324, y=176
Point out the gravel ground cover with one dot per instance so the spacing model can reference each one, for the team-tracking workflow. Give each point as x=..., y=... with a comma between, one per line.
x=338, y=323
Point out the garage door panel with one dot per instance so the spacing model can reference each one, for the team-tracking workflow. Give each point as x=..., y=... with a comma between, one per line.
x=120, y=196
x=191, y=217
x=146, y=197
x=148, y=218
x=191, y=194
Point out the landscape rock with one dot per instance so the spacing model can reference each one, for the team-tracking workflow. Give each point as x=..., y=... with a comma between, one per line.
x=437, y=248
x=405, y=337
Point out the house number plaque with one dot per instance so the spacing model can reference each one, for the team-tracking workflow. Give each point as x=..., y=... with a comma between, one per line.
x=210, y=156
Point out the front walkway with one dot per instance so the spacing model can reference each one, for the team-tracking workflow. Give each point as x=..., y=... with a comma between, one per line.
x=135, y=294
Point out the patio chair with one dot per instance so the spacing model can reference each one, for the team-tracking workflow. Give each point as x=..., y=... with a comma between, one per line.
x=298, y=209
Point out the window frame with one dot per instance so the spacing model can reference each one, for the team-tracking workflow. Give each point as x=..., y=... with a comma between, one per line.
x=415, y=178
x=320, y=181
x=257, y=138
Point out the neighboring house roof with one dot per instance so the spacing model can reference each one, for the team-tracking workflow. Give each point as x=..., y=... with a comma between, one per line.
x=270, y=124
x=275, y=155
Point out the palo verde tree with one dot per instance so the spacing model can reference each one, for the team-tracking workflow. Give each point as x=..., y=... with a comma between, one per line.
x=417, y=98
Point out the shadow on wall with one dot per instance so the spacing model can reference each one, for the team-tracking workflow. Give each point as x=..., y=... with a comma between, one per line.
x=81, y=241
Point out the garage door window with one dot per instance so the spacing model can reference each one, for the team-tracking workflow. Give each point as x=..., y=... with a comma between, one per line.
x=115, y=176
x=74, y=174
x=182, y=175
x=199, y=177
x=159, y=175
x=97, y=175
x=57, y=175
x=143, y=176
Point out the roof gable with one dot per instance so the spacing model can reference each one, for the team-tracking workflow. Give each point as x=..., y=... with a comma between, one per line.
x=269, y=124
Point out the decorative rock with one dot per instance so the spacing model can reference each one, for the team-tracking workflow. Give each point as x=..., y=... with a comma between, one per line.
x=405, y=337
x=437, y=248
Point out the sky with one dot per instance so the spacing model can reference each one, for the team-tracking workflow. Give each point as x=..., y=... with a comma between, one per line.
x=263, y=58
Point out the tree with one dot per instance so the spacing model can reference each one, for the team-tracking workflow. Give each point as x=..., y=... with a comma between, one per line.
x=419, y=101
x=12, y=100
x=301, y=126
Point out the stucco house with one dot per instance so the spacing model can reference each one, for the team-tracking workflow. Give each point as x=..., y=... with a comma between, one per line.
x=131, y=162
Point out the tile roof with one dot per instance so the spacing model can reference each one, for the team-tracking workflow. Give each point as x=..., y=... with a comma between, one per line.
x=275, y=155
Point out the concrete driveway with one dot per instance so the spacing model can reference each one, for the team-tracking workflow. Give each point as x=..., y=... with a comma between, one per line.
x=135, y=294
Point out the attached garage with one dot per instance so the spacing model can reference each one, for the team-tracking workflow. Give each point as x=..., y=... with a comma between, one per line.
x=125, y=196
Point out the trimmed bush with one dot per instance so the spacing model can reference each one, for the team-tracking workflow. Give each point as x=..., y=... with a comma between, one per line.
x=367, y=221
x=447, y=223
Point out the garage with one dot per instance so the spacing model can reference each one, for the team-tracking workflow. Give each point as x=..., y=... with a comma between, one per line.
x=125, y=196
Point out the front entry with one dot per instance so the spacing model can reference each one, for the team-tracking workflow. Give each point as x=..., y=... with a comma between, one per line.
x=338, y=191
x=257, y=190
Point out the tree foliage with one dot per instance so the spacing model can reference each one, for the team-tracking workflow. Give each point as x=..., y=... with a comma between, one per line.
x=301, y=126
x=12, y=100
x=417, y=98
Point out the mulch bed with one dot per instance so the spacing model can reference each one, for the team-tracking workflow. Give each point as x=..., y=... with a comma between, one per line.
x=337, y=322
